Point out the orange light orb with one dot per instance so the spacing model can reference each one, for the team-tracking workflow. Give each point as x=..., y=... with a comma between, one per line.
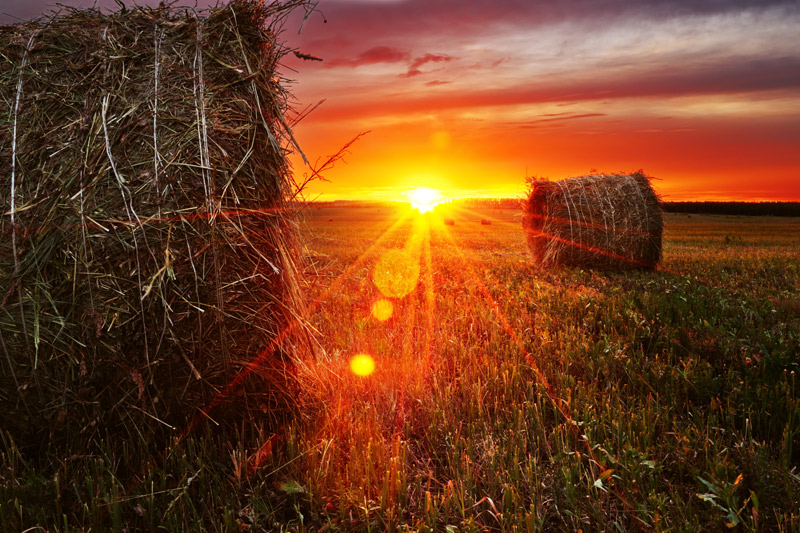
x=396, y=273
x=362, y=365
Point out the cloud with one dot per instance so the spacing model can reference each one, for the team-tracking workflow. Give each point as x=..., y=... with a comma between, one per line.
x=456, y=19
x=413, y=68
x=551, y=119
x=386, y=16
x=551, y=53
x=390, y=54
x=770, y=77
x=377, y=54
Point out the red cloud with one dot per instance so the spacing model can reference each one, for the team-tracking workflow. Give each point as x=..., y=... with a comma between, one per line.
x=413, y=68
x=378, y=54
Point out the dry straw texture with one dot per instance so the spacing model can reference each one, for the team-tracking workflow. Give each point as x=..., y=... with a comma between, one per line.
x=146, y=253
x=600, y=221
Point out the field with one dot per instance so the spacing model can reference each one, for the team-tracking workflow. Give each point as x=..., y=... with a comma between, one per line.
x=504, y=398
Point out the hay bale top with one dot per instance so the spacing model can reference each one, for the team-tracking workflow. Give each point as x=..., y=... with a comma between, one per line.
x=600, y=221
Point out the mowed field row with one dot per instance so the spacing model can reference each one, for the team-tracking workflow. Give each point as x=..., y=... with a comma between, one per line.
x=506, y=397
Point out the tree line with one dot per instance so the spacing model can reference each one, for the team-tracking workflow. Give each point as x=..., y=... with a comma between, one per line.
x=778, y=209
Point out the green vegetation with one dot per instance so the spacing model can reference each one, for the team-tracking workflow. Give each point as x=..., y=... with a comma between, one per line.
x=504, y=398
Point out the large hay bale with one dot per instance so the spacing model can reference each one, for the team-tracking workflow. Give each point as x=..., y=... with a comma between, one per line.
x=601, y=221
x=147, y=257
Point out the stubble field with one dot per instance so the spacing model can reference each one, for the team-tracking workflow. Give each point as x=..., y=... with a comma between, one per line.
x=504, y=398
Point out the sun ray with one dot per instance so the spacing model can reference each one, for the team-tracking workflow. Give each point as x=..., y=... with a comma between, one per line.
x=477, y=282
x=291, y=327
x=411, y=365
x=475, y=286
x=430, y=297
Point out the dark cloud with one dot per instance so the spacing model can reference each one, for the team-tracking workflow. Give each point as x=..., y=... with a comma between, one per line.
x=435, y=83
x=445, y=26
x=445, y=16
x=457, y=18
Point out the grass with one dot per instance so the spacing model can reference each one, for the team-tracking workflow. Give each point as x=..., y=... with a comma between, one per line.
x=504, y=398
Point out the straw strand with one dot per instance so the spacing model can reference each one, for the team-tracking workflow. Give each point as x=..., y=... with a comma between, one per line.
x=23, y=64
x=159, y=35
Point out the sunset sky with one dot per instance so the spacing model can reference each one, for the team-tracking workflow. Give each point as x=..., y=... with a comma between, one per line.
x=470, y=97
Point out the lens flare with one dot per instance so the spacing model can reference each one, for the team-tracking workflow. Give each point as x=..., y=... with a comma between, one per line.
x=396, y=273
x=382, y=310
x=362, y=365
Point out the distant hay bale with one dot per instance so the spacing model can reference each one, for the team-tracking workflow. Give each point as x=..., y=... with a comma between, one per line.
x=486, y=222
x=147, y=251
x=449, y=222
x=602, y=221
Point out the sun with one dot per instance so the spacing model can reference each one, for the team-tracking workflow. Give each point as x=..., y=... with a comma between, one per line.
x=424, y=199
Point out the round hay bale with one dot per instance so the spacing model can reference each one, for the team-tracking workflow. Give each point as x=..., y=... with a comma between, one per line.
x=449, y=222
x=486, y=222
x=610, y=221
x=147, y=249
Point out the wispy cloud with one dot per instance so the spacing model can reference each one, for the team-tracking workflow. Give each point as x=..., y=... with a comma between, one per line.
x=390, y=54
x=550, y=118
x=414, y=67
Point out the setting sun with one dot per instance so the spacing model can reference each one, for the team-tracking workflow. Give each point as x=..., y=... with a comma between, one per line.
x=424, y=199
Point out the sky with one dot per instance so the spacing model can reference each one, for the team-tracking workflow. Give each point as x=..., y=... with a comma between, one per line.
x=471, y=97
